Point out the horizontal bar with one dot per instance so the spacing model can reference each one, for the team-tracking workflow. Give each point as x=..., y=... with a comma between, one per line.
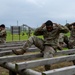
x=11, y=45
x=20, y=57
x=65, y=52
x=9, y=52
x=70, y=70
x=41, y=62
x=10, y=66
x=10, y=48
x=3, y=53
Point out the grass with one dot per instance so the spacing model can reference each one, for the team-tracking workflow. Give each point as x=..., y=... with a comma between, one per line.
x=17, y=37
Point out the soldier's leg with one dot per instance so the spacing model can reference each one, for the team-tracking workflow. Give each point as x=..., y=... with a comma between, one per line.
x=48, y=53
x=60, y=47
x=66, y=40
x=3, y=40
x=70, y=45
x=33, y=40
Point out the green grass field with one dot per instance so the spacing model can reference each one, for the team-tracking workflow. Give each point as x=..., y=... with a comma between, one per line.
x=15, y=37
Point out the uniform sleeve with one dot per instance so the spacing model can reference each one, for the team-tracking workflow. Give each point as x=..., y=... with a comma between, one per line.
x=38, y=32
x=63, y=29
x=69, y=26
x=2, y=33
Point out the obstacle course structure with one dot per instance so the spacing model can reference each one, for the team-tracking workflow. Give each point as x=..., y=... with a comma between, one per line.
x=24, y=64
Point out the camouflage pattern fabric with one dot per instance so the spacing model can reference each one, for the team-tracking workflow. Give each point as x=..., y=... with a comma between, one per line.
x=51, y=38
x=63, y=40
x=50, y=42
x=38, y=42
x=48, y=45
x=3, y=36
x=71, y=43
x=47, y=51
x=72, y=38
x=61, y=37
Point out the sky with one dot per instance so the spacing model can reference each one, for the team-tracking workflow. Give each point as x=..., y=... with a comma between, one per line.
x=35, y=12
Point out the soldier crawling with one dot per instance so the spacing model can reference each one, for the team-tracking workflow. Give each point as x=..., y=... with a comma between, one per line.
x=50, y=43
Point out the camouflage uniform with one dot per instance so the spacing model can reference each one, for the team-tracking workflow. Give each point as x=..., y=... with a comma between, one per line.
x=50, y=38
x=72, y=38
x=63, y=40
x=71, y=41
x=61, y=37
x=50, y=42
x=48, y=45
x=3, y=36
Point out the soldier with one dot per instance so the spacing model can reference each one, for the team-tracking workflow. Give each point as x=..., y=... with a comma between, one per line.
x=71, y=42
x=3, y=34
x=50, y=42
x=72, y=35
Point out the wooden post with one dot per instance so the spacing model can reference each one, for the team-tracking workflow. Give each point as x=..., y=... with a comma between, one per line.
x=12, y=32
x=11, y=67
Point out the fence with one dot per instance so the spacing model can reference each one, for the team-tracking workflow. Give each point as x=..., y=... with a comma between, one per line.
x=24, y=64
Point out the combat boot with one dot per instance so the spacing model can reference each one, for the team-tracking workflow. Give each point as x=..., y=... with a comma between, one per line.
x=18, y=51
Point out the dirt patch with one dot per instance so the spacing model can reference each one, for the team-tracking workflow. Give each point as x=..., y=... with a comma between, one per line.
x=3, y=71
x=54, y=66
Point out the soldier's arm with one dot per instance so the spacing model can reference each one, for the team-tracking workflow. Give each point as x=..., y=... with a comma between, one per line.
x=62, y=29
x=69, y=26
x=39, y=31
x=3, y=32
